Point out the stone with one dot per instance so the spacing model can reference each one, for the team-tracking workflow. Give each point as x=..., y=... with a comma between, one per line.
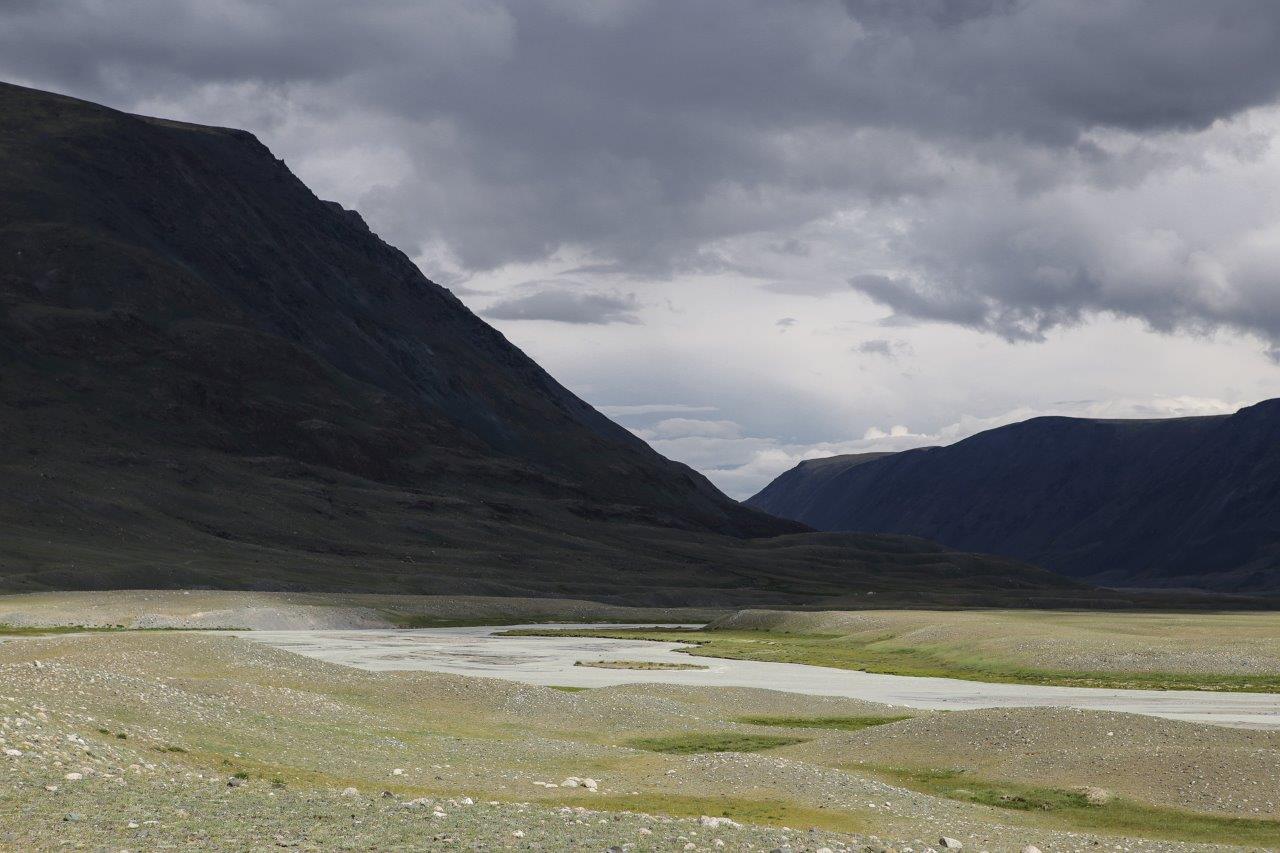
x=1031, y=848
x=950, y=843
x=73, y=777
x=1097, y=796
x=350, y=792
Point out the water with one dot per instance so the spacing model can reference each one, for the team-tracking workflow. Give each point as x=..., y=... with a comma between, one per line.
x=477, y=651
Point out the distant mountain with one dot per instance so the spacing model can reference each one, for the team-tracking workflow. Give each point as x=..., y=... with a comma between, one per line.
x=210, y=377
x=1185, y=502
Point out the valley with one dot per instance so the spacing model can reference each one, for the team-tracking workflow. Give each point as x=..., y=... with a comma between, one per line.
x=144, y=738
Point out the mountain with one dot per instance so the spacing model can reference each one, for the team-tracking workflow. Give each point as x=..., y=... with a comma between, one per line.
x=1184, y=502
x=210, y=377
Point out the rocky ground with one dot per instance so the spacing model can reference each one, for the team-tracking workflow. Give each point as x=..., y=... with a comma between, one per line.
x=178, y=740
x=291, y=611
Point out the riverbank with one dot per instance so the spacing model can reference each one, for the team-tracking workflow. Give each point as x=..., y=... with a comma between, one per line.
x=181, y=736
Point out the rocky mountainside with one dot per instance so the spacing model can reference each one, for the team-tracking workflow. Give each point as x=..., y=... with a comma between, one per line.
x=1186, y=502
x=210, y=377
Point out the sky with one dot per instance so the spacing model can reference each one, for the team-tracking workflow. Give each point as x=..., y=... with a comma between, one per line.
x=756, y=232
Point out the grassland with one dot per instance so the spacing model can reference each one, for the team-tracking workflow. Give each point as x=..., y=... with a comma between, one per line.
x=1073, y=808
x=1227, y=652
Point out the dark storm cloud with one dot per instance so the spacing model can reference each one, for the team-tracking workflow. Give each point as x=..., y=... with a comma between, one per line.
x=645, y=134
x=566, y=306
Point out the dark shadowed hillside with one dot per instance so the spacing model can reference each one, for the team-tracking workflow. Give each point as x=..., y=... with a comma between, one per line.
x=1183, y=502
x=210, y=377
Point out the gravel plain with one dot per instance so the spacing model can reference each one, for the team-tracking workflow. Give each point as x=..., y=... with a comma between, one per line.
x=159, y=740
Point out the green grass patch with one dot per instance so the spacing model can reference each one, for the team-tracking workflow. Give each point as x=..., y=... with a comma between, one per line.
x=638, y=664
x=567, y=688
x=689, y=744
x=885, y=654
x=1070, y=809
x=49, y=630
x=846, y=724
x=771, y=812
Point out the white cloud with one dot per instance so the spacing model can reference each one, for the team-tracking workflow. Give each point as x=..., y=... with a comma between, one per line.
x=691, y=427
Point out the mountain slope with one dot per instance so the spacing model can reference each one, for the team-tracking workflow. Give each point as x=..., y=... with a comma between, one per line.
x=1181, y=502
x=797, y=492
x=212, y=378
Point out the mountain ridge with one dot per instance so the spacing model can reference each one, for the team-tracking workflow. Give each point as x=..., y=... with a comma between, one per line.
x=213, y=378
x=1179, y=502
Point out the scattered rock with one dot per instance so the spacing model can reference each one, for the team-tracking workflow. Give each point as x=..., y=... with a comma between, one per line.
x=950, y=843
x=1097, y=796
x=717, y=822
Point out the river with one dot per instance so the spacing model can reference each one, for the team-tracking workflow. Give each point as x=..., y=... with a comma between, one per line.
x=479, y=651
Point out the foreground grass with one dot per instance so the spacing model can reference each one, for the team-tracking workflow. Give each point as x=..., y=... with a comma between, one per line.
x=690, y=744
x=1069, y=809
x=882, y=655
x=845, y=724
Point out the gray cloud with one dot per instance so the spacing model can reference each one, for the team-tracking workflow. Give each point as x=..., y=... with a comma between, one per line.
x=884, y=348
x=969, y=151
x=641, y=409
x=567, y=306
